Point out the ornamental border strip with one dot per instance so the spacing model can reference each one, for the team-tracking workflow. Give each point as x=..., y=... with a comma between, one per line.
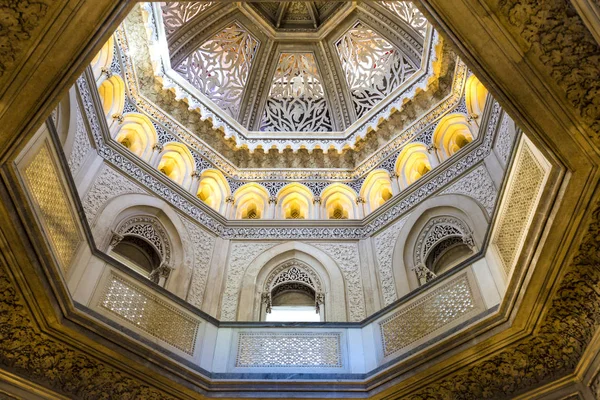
x=172, y=196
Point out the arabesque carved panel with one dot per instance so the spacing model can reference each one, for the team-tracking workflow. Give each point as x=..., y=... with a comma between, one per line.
x=297, y=102
x=263, y=349
x=373, y=66
x=220, y=67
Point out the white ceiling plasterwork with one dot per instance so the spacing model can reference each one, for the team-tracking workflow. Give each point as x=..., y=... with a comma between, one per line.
x=180, y=133
x=394, y=79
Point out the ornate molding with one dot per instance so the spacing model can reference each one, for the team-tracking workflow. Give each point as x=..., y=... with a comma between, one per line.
x=347, y=258
x=82, y=144
x=46, y=361
x=201, y=243
x=18, y=26
x=555, y=34
x=385, y=243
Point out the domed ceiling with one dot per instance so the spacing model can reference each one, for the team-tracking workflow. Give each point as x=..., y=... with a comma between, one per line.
x=294, y=70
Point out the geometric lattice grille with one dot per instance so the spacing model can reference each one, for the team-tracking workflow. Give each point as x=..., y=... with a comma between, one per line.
x=54, y=206
x=432, y=312
x=220, y=67
x=175, y=14
x=296, y=102
x=373, y=66
x=521, y=200
x=150, y=314
x=289, y=350
x=407, y=12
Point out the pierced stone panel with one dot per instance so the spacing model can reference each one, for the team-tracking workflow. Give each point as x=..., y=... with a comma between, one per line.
x=372, y=65
x=219, y=69
x=407, y=12
x=296, y=102
x=149, y=313
x=426, y=315
x=50, y=195
x=305, y=350
x=175, y=14
x=516, y=212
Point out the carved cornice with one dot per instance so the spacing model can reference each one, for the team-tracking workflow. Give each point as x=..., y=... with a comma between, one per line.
x=553, y=32
x=18, y=25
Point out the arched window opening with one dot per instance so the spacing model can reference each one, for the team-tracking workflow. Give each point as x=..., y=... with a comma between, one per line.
x=102, y=61
x=377, y=189
x=293, y=293
x=412, y=164
x=295, y=202
x=251, y=211
x=452, y=133
x=294, y=210
x=177, y=163
x=138, y=254
x=141, y=243
x=339, y=202
x=475, y=96
x=419, y=167
x=447, y=254
x=443, y=243
x=112, y=95
x=213, y=189
x=337, y=211
x=251, y=201
x=137, y=134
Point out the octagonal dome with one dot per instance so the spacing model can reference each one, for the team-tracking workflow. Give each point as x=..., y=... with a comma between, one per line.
x=293, y=70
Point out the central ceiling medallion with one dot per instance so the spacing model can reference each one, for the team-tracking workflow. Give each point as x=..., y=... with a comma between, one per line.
x=296, y=15
x=322, y=73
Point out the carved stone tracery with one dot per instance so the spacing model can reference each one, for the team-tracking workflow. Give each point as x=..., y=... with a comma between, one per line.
x=293, y=275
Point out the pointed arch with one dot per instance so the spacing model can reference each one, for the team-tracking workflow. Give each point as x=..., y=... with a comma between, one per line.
x=413, y=162
x=259, y=269
x=475, y=96
x=112, y=95
x=214, y=189
x=376, y=189
x=127, y=206
x=251, y=201
x=137, y=134
x=177, y=163
x=295, y=201
x=338, y=201
x=103, y=59
x=452, y=133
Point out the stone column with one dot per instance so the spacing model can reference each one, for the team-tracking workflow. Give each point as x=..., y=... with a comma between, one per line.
x=272, y=208
x=395, y=184
x=230, y=207
x=195, y=183
x=433, y=156
x=317, y=212
x=361, y=203
x=155, y=158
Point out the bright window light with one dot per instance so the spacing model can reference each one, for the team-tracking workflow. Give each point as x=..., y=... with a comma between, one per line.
x=293, y=314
